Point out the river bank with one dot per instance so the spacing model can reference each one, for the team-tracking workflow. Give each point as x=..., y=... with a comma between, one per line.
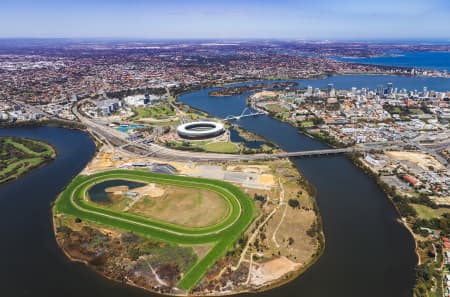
x=365, y=245
x=400, y=201
x=261, y=125
x=303, y=247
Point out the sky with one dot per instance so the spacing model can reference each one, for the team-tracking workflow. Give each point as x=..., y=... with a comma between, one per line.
x=227, y=19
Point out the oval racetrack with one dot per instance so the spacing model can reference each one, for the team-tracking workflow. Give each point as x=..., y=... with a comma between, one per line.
x=73, y=201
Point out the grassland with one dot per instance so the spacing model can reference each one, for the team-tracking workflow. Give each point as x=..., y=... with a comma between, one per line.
x=225, y=147
x=222, y=147
x=428, y=213
x=222, y=235
x=276, y=108
x=184, y=206
x=19, y=155
x=306, y=124
x=206, y=146
x=159, y=112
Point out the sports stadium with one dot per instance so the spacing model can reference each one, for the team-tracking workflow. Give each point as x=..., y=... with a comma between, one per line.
x=200, y=130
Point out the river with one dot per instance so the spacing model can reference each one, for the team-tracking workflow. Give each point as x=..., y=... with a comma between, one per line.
x=368, y=253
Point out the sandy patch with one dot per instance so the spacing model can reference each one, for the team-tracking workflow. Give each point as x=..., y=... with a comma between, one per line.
x=264, y=94
x=441, y=200
x=150, y=190
x=267, y=180
x=117, y=189
x=108, y=159
x=421, y=159
x=249, y=168
x=272, y=270
x=202, y=250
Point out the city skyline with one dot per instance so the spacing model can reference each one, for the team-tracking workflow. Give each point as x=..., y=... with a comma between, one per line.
x=200, y=19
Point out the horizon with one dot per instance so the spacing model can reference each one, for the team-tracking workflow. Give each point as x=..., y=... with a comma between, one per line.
x=225, y=20
x=231, y=39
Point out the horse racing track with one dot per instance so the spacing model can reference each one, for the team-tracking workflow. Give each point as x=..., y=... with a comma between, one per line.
x=221, y=235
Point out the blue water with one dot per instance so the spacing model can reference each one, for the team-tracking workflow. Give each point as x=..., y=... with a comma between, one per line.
x=233, y=105
x=424, y=60
x=126, y=128
x=255, y=144
x=97, y=193
x=367, y=252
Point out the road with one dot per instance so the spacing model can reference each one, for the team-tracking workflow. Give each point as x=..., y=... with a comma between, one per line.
x=145, y=148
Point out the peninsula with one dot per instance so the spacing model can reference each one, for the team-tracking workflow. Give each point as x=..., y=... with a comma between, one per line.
x=19, y=155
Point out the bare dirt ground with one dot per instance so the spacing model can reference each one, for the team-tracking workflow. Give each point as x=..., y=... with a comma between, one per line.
x=108, y=159
x=201, y=250
x=421, y=159
x=151, y=190
x=441, y=200
x=266, y=272
x=117, y=190
x=264, y=94
x=291, y=236
x=249, y=168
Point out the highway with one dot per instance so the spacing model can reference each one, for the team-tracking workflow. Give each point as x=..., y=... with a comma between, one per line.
x=146, y=148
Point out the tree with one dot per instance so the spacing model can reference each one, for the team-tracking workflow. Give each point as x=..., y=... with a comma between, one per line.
x=293, y=203
x=291, y=240
x=318, y=121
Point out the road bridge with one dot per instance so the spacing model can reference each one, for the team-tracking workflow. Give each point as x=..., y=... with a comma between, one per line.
x=144, y=148
x=244, y=115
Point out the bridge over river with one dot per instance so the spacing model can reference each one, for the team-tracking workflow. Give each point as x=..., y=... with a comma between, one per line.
x=146, y=147
x=244, y=114
x=165, y=153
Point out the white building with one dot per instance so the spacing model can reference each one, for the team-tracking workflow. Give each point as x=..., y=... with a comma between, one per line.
x=108, y=106
x=142, y=100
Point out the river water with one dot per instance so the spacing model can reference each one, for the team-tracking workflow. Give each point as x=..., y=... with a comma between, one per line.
x=368, y=253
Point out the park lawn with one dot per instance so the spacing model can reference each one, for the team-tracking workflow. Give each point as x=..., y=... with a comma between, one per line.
x=306, y=124
x=164, y=123
x=222, y=147
x=425, y=212
x=276, y=108
x=415, y=111
x=396, y=110
x=207, y=146
x=160, y=111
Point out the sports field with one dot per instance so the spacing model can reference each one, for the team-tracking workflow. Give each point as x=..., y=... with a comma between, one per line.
x=222, y=234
